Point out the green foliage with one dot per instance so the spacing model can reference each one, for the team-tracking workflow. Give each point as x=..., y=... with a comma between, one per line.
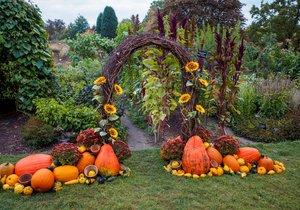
x=24, y=54
x=37, y=135
x=123, y=30
x=98, y=23
x=89, y=46
x=79, y=26
x=65, y=114
x=56, y=29
x=109, y=23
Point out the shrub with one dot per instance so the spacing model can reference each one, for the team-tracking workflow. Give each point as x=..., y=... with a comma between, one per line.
x=173, y=149
x=36, y=134
x=121, y=149
x=68, y=116
x=66, y=154
x=227, y=145
x=88, y=137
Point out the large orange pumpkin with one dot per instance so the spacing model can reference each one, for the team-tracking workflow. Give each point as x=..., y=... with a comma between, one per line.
x=32, y=163
x=195, y=159
x=249, y=154
x=266, y=162
x=42, y=180
x=86, y=159
x=107, y=161
x=231, y=162
x=214, y=154
x=65, y=173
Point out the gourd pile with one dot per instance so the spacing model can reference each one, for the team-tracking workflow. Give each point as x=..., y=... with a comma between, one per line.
x=40, y=173
x=201, y=160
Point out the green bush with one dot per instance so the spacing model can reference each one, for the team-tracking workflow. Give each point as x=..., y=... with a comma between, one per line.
x=24, y=54
x=37, y=135
x=65, y=114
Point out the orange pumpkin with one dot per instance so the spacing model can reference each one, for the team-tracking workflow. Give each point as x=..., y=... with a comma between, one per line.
x=214, y=154
x=107, y=161
x=33, y=163
x=249, y=154
x=85, y=160
x=7, y=169
x=231, y=162
x=266, y=162
x=195, y=159
x=42, y=180
x=65, y=173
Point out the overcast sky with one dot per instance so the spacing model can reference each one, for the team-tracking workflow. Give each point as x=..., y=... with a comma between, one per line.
x=68, y=10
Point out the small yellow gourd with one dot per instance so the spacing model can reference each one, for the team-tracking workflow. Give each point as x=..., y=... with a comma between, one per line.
x=28, y=190
x=19, y=189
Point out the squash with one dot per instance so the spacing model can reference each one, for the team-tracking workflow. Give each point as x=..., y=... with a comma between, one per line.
x=85, y=160
x=214, y=154
x=195, y=159
x=266, y=162
x=28, y=190
x=249, y=154
x=19, y=189
x=261, y=170
x=6, y=169
x=42, y=180
x=65, y=173
x=231, y=162
x=107, y=161
x=33, y=163
x=12, y=179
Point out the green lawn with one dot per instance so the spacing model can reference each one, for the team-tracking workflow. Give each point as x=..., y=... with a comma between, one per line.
x=150, y=187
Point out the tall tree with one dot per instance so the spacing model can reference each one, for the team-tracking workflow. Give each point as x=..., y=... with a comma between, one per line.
x=98, y=23
x=281, y=17
x=55, y=28
x=79, y=26
x=109, y=23
x=222, y=12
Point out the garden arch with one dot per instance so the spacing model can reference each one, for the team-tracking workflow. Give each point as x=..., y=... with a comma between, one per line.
x=122, y=53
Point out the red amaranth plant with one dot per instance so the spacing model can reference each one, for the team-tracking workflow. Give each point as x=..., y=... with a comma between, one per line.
x=227, y=145
x=88, y=137
x=173, y=149
x=66, y=154
x=121, y=150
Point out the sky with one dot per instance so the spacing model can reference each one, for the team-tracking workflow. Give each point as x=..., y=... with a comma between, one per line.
x=68, y=10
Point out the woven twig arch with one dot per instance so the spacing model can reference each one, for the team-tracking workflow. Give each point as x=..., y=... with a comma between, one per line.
x=122, y=53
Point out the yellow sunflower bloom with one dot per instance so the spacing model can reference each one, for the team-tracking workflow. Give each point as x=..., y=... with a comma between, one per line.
x=110, y=109
x=100, y=81
x=113, y=133
x=203, y=82
x=184, y=98
x=191, y=66
x=118, y=89
x=200, y=109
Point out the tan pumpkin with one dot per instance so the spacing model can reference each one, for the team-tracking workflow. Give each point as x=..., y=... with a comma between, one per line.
x=249, y=154
x=107, y=161
x=6, y=169
x=214, y=154
x=231, y=162
x=33, y=163
x=42, y=180
x=65, y=173
x=195, y=159
x=85, y=160
x=266, y=162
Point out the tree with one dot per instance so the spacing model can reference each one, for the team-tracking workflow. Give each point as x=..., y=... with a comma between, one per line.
x=109, y=23
x=79, y=26
x=280, y=17
x=222, y=12
x=98, y=24
x=55, y=29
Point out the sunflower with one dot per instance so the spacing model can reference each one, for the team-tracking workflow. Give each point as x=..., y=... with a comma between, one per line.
x=118, y=89
x=203, y=82
x=184, y=98
x=200, y=109
x=110, y=109
x=100, y=81
x=113, y=133
x=191, y=66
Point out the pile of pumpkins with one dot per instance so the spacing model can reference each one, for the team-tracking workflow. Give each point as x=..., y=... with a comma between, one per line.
x=200, y=160
x=39, y=173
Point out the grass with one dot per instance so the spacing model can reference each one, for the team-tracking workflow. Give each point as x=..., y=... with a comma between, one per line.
x=150, y=187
